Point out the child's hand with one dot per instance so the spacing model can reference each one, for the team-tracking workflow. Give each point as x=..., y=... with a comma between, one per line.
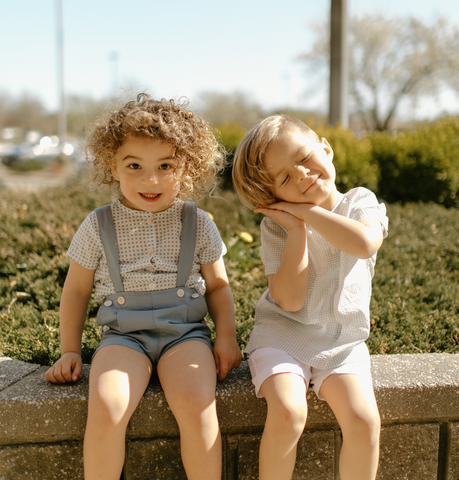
x=286, y=219
x=66, y=370
x=227, y=355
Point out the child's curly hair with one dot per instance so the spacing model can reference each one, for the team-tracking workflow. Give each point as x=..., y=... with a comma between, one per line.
x=250, y=178
x=197, y=151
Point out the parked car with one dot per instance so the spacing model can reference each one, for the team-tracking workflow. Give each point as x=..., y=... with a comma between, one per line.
x=43, y=151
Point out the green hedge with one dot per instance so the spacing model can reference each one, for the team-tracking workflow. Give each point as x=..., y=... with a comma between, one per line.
x=419, y=165
x=415, y=302
x=411, y=166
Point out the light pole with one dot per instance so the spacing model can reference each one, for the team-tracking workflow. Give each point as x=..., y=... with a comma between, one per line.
x=339, y=58
x=62, y=116
x=113, y=57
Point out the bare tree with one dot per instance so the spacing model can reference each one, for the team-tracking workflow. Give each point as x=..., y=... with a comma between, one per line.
x=392, y=59
x=228, y=108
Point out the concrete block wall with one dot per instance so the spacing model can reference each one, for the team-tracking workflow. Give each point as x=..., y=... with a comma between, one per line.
x=42, y=425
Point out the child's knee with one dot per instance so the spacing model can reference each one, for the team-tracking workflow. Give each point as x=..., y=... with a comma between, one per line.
x=108, y=410
x=288, y=416
x=364, y=426
x=195, y=407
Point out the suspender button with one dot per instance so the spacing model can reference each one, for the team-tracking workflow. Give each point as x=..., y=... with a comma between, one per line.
x=180, y=293
x=108, y=303
x=195, y=295
x=121, y=300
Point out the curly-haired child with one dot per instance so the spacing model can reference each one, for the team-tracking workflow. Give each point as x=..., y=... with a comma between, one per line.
x=151, y=257
x=319, y=249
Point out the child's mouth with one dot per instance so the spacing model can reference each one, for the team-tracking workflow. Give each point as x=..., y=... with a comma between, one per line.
x=150, y=197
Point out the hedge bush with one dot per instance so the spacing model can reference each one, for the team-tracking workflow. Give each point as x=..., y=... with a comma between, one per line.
x=419, y=165
x=411, y=166
x=415, y=302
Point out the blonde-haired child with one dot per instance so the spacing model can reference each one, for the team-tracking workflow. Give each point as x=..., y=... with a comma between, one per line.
x=152, y=258
x=319, y=249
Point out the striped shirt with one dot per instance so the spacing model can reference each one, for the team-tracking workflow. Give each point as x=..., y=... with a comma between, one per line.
x=335, y=317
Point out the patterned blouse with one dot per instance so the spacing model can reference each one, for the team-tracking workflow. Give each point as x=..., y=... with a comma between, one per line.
x=149, y=246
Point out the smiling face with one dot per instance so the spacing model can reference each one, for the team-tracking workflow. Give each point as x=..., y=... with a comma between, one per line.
x=301, y=169
x=147, y=172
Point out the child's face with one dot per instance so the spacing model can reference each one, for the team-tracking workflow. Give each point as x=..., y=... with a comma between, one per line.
x=146, y=170
x=302, y=170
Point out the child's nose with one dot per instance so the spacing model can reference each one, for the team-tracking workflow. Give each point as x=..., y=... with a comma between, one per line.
x=151, y=178
x=302, y=171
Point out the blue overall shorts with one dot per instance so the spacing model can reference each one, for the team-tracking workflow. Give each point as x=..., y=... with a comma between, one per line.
x=152, y=322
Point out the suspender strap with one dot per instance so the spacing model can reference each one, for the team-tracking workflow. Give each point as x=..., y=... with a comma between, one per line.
x=187, y=243
x=110, y=243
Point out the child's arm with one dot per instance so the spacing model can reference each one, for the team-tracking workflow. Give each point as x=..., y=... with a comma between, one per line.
x=73, y=309
x=289, y=285
x=221, y=308
x=360, y=238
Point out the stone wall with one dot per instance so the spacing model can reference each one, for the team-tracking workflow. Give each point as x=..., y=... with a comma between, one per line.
x=42, y=425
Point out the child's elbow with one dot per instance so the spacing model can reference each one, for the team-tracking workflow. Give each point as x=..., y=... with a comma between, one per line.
x=369, y=248
x=291, y=305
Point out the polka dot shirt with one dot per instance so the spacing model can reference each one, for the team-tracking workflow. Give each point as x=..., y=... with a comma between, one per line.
x=149, y=247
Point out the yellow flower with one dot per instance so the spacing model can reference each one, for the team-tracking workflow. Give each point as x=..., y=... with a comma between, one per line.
x=245, y=236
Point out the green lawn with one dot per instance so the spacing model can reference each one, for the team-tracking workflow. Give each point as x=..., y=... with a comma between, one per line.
x=415, y=301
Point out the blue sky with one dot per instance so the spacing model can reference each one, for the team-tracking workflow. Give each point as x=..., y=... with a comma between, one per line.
x=179, y=47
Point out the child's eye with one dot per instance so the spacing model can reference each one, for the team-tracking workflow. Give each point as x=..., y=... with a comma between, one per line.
x=134, y=166
x=285, y=181
x=165, y=166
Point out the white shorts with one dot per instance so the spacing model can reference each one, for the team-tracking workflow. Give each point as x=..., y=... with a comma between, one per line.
x=265, y=362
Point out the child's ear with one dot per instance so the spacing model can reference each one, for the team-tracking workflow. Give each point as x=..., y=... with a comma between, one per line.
x=114, y=169
x=327, y=148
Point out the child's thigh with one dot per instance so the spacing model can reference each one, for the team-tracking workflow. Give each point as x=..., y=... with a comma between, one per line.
x=118, y=378
x=188, y=374
x=352, y=399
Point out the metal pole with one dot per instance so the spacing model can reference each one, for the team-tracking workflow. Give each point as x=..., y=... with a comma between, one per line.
x=114, y=57
x=62, y=117
x=339, y=58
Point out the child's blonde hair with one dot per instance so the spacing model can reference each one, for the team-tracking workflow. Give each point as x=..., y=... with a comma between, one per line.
x=250, y=177
x=196, y=149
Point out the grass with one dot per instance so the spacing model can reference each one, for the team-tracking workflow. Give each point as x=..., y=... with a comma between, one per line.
x=415, y=302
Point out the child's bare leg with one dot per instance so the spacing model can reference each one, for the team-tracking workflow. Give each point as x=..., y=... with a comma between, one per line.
x=118, y=378
x=188, y=376
x=352, y=400
x=285, y=394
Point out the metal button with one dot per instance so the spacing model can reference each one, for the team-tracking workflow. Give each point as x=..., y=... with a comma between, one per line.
x=180, y=293
x=108, y=303
x=105, y=328
x=195, y=295
x=152, y=286
x=121, y=300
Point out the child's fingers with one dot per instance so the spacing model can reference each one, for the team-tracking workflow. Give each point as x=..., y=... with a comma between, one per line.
x=223, y=371
x=49, y=375
x=217, y=362
x=57, y=374
x=77, y=371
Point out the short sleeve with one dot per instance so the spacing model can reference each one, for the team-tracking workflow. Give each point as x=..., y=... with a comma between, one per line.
x=273, y=240
x=86, y=246
x=366, y=205
x=211, y=246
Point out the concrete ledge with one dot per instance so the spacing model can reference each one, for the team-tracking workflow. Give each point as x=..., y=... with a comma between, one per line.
x=418, y=398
